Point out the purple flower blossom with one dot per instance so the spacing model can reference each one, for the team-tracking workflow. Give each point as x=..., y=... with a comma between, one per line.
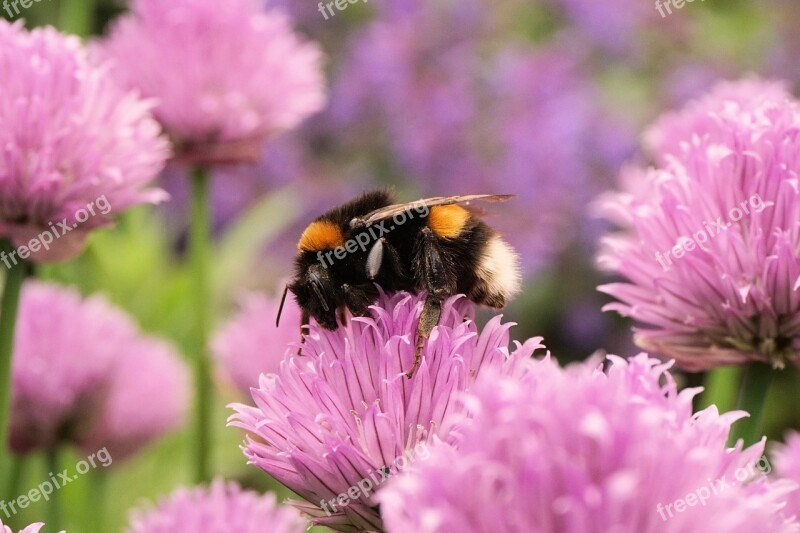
x=68, y=354
x=615, y=25
x=344, y=411
x=251, y=345
x=148, y=396
x=578, y=450
x=710, y=236
x=227, y=76
x=222, y=508
x=68, y=137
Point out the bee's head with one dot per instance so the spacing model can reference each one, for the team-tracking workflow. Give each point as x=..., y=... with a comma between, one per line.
x=315, y=293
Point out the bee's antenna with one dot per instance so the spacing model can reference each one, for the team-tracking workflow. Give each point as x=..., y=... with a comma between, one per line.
x=280, y=309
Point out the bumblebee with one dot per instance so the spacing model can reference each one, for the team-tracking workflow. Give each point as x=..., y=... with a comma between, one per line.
x=434, y=245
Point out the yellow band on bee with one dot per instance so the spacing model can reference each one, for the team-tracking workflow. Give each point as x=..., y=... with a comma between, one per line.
x=320, y=235
x=448, y=220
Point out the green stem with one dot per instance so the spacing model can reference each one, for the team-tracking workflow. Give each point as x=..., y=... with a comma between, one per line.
x=17, y=471
x=9, y=305
x=720, y=388
x=76, y=16
x=53, y=513
x=96, y=501
x=753, y=394
x=199, y=249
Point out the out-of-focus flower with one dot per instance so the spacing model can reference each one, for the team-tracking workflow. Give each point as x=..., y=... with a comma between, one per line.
x=222, y=508
x=616, y=25
x=64, y=349
x=710, y=239
x=553, y=147
x=148, y=396
x=251, y=345
x=227, y=76
x=67, y=352
x=577, y=450
x=786, y=459
x=344, y=412
x=69, y=139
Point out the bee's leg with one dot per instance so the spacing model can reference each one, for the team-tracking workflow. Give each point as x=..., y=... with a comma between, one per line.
x=428, y=319
x=433, y=269
x=392, y=259
x=304, y=319
x=342, y=312
x=434, y=272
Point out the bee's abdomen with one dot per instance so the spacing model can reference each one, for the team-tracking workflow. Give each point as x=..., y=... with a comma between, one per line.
x=497, y=273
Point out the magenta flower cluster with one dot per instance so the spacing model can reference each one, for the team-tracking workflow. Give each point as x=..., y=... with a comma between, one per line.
x=226, y=75
x=345, y=410
x=708, y=249
x=579, y=450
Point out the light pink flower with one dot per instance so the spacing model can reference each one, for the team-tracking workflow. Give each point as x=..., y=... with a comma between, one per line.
x=221, y=508
x=345, y=411
x=82, y=372
x=148, y=396
x=68, y=138
x=577, y=450
x=33, y=528
x=227, y=75
x=786, y=459
x=710, y=236
x=251, y=344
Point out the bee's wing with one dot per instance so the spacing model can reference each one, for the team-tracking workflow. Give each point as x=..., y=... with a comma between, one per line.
x=392, y=210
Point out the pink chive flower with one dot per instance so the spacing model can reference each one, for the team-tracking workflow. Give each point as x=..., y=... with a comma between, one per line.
x=222, y=508
x=577, y=450
x=75, y=149
x=33, y=528
x=64, y=348
x=708, y=250
x=345, y=415
x=68, y=354
x=227, y=75
x=786, y=459
x=250, y=344
x=148, y=396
